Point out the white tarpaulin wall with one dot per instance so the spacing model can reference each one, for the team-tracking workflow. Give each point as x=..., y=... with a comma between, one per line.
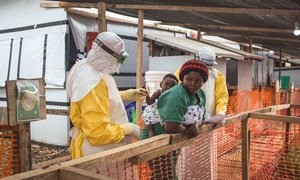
x=4, y=59
x=33, y=56
x=128, y=32
x=263, y=70
x=173, y=63
x=245, y=69
x=167, y=63
x=32, y=45
x=80, y=25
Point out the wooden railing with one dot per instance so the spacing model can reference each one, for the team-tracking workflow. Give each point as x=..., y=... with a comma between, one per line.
x=148, y=149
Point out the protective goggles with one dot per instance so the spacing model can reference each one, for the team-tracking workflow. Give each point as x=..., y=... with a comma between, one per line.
x=120, y=57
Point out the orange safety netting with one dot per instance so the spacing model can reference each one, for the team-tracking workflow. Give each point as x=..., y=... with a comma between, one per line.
x=274, y=153
x=268, y=144
x=9, y=150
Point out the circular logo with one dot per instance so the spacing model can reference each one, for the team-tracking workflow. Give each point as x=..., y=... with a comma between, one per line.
x=28, y=100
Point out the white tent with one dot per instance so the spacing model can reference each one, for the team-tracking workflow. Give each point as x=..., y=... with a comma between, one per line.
x=223, y=52
x=38, y=43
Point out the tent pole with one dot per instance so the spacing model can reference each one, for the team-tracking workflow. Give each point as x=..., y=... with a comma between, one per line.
x=250, y=45
x=275, y=86
x=198, y=34
x=101, y=17
x=139, y=61
x=279, y=73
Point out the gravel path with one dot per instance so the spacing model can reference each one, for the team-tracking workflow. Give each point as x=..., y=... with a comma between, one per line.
x=44, y=152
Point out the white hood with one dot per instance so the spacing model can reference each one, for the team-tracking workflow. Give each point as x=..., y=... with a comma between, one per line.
x=87, y=73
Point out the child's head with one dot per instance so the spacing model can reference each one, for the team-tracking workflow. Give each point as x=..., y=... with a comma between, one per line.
x=193, y=75
x=168, y=81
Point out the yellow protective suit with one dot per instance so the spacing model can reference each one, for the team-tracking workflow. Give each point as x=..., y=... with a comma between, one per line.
x=97, y=120
x=93, y=120
x=97, y=110
x=216, y=92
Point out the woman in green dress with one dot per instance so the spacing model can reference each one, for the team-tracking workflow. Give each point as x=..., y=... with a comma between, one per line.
x=173, y=107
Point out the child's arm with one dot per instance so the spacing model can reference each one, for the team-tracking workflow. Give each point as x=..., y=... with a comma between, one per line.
x=150, y=130
x=155, y=95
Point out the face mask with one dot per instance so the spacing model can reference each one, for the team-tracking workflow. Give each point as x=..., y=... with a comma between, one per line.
x=115, y=68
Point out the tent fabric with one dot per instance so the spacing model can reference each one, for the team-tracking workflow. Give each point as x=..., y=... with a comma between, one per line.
x=245, y=76
x=4, y=60
x=31, y=60
x=81, y=25
x=79, y=29
x=14, y=59
x=30, y=53
x=231, y=49
x=192, y=45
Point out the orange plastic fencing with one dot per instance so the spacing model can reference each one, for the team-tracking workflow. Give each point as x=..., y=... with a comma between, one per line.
x=268, y=157
x=9, y=150
x=274, y=153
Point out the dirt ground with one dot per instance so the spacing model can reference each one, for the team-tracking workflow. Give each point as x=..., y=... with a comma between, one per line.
x=45, y=154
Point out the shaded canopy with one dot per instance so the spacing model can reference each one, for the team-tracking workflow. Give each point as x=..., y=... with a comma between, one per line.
x=269, y=23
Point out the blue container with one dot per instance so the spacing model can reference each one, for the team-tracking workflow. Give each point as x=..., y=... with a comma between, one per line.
x=131, y=111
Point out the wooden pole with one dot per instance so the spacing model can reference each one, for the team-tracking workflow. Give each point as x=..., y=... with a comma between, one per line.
x=198, y=34
x=139, y=60
x=245, y=150
x=25, y=147
x=250, y=45
x=279, y=74
x=280, y=64
x=240, y=28
x=288, y=96
x=151, y=48
x=287, y=131
x=202, y=9
x=275, y=87
x=273, y=38
x=101, y=17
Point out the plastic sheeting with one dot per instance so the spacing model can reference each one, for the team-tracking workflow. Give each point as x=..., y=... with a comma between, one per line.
x=28, y=34
x=28, y=60
x=262, y=71
x=4, y=60
x=128, y=32
x=16, y=13
x=81, y=25
x=38, y=37
x=245, y=76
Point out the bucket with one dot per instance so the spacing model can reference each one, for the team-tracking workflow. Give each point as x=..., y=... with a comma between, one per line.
x=285, y=82
x=153, y=79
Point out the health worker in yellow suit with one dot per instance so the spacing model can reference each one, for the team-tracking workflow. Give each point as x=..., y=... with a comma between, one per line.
x=97, y=110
